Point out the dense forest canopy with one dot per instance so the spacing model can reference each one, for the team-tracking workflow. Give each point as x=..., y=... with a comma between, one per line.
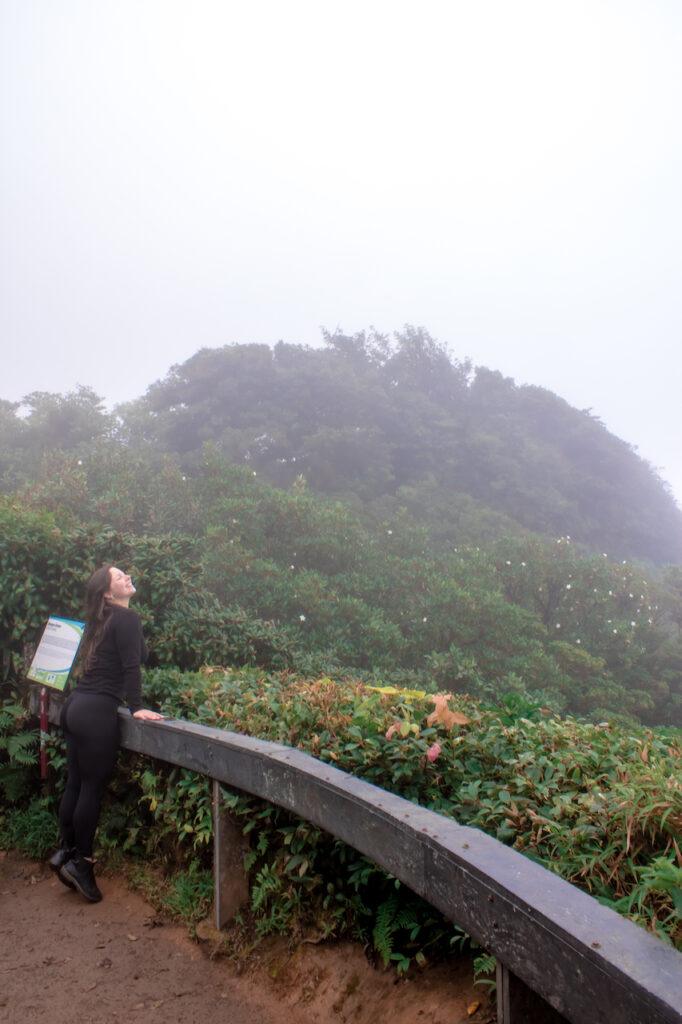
x=390, y=423
x=374, y=507
x=383, y=424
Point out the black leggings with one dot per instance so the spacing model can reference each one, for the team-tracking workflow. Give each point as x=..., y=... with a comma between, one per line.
x=90, y=724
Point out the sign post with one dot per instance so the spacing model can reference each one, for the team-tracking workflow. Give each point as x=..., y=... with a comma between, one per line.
x=44, y=704
x=51, y=666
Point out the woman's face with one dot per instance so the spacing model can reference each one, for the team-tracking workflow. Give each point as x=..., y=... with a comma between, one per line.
x=120, y=585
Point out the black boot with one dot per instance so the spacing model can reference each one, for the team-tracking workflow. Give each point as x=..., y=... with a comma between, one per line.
x=80, y=874
x=59, y=859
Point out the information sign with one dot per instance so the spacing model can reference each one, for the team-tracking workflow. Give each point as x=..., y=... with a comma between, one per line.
x=56, y=652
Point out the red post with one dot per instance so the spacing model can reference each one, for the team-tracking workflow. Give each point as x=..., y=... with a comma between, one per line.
x=43, y=731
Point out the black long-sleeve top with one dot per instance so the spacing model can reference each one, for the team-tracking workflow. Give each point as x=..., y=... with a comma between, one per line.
x=115, y=668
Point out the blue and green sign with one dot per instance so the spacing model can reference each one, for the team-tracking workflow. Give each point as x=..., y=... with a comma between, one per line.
x=56, y=652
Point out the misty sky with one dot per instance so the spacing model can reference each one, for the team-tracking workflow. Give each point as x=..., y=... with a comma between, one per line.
x=176, y=175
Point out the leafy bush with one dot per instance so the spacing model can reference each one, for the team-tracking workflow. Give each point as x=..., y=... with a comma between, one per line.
x=32, y=830
x=599, y=804
x=18, y=746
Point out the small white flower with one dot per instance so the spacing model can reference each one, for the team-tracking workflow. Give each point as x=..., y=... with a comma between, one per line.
x=558, y=625
x=508, y=563
x=610, y=593
x=389, y=532
x=254, y=472
x=523, y=564
x=605, y=555
x=184, y=478
x=615, y=631
x=292, y=566
x=302, y=618
x=424, y=619
x=80, y=463
x=578, y=641
x=568, y=586
x=631, y=595
x=633, y=623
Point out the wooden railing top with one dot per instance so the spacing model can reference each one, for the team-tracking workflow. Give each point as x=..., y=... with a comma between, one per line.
x=585, y=960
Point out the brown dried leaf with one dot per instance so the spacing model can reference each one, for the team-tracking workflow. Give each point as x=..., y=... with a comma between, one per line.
x=442, y=714
x=472, y=1008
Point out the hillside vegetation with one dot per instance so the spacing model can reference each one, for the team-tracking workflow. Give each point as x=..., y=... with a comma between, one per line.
x=351, y=538
x=385, y=425
x=233, y=571
x=389, y=424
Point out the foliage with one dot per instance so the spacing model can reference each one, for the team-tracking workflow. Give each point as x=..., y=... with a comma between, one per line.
x=384, y=424
x=32, y=829
x=599, y=804
x=287, y=580
x=327, y=522
x=484, y=971
x=190, y=894
x=18, y=746
x=388, y=422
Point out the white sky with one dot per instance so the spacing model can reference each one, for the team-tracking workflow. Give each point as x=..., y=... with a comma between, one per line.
x=174, y=175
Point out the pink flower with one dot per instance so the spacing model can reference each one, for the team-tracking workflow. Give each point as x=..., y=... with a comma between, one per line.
x=433, y=752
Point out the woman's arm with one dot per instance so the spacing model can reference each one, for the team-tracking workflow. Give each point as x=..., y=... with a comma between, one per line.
x=129, y=643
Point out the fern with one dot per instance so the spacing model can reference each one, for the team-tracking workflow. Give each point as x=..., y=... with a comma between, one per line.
x=267, y=883
x=485, y=964
x=385, y=927
x=10, y=714
x=21, y=747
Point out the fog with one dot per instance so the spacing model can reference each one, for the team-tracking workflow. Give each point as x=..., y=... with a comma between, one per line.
x=182, y=175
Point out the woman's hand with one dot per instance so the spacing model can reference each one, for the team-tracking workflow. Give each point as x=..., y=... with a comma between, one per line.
x=148, y=716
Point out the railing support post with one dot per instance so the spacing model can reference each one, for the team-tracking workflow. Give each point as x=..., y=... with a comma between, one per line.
x=230, y=881
x=518, y=1004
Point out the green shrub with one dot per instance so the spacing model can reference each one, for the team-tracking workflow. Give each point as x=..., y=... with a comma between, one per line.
x=598, y=804
x=32, y=830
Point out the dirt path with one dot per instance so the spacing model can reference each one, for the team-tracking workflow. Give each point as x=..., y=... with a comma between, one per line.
x=64, y=960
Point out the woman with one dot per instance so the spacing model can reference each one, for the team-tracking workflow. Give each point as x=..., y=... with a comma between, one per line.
x=113, y=651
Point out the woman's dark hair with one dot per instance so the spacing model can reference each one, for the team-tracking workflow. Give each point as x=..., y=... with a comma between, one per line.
x=97, y=611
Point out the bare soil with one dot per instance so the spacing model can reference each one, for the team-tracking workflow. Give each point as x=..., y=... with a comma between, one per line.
x=64, y=960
